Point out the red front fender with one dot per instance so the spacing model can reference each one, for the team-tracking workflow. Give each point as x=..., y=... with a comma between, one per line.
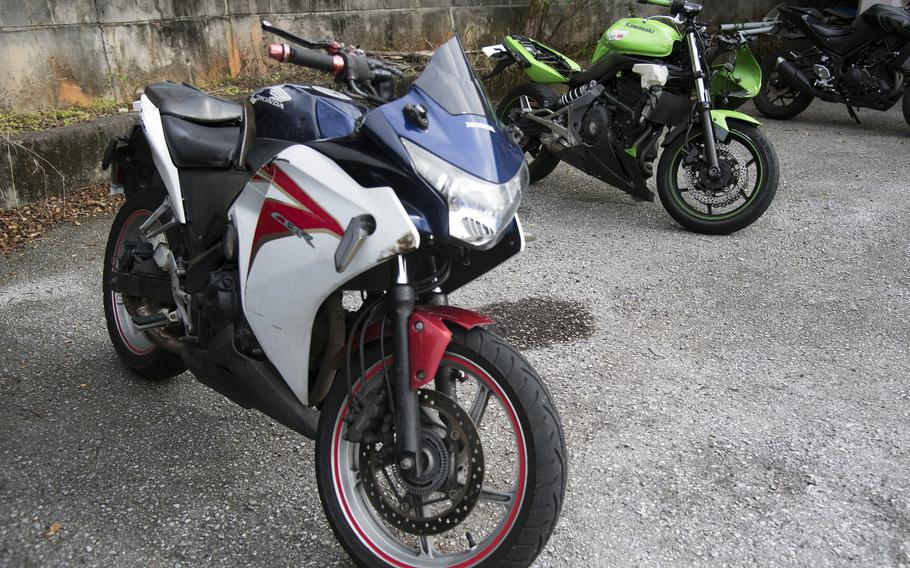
x=429, y=337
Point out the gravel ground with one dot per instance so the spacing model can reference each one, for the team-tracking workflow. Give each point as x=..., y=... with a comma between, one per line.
x=737, y=400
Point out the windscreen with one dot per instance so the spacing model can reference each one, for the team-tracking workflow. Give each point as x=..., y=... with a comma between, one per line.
x=449, y=80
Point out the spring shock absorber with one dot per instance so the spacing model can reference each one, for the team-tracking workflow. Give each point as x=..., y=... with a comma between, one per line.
x=574, y=94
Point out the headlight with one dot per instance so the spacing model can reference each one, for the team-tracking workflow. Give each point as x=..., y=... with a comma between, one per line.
x=479, y=211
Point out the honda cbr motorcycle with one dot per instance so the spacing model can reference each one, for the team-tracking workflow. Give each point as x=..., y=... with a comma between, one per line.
x=718, y=173
x=863, y=64
x=295, y=253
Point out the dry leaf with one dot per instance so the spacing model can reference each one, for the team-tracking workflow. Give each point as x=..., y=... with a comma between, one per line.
x=53, y=529
x=83, y=386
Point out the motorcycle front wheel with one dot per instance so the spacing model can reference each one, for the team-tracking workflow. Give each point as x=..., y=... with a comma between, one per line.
x=727, y=203
x=493, y=465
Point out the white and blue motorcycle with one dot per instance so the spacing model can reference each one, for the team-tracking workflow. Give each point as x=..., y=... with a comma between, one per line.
x=244, y=225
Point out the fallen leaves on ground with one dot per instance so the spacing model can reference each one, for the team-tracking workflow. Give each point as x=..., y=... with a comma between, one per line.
x=53, y=529
x=21, y=225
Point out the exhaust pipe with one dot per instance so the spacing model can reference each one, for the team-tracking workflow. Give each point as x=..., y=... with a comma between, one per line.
x=795, y=77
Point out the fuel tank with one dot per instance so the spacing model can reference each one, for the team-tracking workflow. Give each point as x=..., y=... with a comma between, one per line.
x=303, y=113
x=637, y=36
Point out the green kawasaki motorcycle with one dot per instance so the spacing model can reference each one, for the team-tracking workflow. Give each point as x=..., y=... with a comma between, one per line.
x=718, y=173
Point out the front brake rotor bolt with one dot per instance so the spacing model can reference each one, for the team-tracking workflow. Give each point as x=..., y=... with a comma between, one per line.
x=406, y=463
x=453, y=494
x=453, y=434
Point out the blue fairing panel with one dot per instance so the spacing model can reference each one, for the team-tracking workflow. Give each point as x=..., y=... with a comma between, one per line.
x=471, y=142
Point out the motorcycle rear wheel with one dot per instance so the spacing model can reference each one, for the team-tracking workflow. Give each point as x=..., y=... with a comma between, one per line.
x=713, y=207
x=134, y=348
x=505, y=407
x=541, y=162
x=777, y=100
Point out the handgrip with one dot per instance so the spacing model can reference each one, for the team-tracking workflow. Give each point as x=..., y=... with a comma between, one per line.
x=284, y=53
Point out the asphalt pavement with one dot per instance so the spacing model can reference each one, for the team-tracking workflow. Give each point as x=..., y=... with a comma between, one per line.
x=728, y=401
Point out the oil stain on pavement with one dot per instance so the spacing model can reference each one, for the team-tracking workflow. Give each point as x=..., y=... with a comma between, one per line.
x=534, y=323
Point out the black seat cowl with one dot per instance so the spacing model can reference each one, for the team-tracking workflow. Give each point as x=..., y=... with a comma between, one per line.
x=191, y=104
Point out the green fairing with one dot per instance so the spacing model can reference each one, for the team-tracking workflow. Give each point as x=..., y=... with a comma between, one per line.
x=538, y=71
x=637, y=36
x=720, y=118
x=744, y=82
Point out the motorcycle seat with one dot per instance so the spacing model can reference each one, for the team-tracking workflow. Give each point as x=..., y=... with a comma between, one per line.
x=195, y=145
x=188, y=103
x=606, y=65
x=831, y=31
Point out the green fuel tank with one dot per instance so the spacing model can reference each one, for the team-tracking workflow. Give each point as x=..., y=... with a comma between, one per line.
x=637, y=36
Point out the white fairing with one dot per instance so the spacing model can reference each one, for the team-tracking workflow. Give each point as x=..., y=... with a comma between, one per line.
x=150, y=119
x=288, y=220
x=492, y=50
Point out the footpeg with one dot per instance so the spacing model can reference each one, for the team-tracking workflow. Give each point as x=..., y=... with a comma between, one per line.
x=152, y=321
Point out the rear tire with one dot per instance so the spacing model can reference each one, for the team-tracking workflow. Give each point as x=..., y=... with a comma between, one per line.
x=532, y=518
x=907, y=106
x=540, y=161
x=134, y=348
x=777, y=100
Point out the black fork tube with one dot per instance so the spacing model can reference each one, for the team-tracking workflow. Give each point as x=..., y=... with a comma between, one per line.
x=704, y=103
x=402, y=298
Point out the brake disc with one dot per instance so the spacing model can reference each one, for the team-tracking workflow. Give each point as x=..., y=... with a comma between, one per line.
x=447, y=490
x=722, y=191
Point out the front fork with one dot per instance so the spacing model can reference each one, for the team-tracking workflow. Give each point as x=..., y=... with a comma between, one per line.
x=402, y=299
x=704, y=105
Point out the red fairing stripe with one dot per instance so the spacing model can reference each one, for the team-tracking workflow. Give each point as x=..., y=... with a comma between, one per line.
x=309, y=216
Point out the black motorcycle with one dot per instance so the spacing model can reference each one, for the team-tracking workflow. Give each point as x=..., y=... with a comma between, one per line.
x=862, y=64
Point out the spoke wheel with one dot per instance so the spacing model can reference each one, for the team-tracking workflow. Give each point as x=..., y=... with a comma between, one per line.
x=474, y=501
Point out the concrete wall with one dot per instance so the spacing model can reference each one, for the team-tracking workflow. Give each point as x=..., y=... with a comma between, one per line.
x=56, y=53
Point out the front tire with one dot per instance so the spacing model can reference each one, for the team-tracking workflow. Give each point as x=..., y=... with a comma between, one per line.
x=541, y=162
x=732, y=202
x=777, y=99
x=134, y=347
x=528, y=494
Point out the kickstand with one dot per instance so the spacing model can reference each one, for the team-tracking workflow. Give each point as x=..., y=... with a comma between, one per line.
x=853, y=114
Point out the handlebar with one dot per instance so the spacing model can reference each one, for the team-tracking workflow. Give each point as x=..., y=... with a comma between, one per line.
x=676, y=7
x=361, y=76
